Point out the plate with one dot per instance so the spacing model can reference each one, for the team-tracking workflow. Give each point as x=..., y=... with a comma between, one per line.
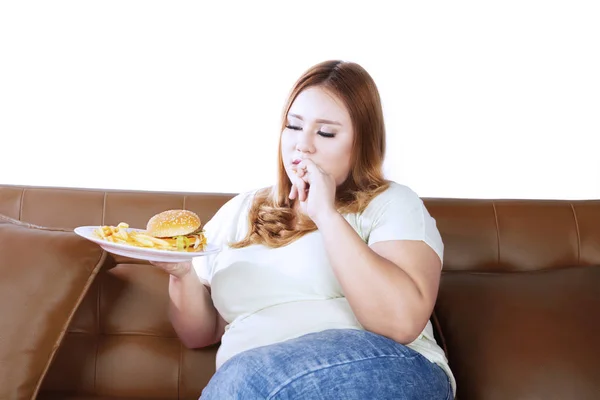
x=142, y=253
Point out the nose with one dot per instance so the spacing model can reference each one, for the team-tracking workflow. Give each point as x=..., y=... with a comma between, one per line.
x=305, y=143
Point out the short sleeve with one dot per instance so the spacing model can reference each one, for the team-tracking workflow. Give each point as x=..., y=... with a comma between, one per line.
x=224, y=227
x=400, y=214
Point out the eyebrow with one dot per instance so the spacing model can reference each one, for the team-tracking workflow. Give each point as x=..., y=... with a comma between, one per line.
x=320, y=120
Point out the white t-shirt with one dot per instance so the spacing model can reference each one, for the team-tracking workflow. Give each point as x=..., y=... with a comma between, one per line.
x=271, y=295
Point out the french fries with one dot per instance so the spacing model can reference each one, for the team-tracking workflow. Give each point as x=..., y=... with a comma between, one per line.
x=120, y=234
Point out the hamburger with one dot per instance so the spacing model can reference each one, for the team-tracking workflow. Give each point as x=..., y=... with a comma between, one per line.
x=181, y=229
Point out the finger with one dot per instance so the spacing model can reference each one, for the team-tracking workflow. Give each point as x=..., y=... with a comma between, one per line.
x=293, y=192
x=167, y=266
x=300, y=186
x=301, y=174
x=175, y=269
x=304, y=191
x=158, y=264
x=304, y=176
x=308, y=166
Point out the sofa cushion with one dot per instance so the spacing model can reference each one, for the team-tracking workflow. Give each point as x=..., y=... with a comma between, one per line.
x=44, y=275
x=523, y=335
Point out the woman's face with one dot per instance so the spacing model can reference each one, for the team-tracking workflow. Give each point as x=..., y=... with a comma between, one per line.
x=318, y=128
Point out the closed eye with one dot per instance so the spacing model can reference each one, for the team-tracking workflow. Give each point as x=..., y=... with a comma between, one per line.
x=325, y=134
x=321, y=133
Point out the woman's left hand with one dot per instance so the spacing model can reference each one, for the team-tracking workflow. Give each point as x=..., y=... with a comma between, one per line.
x=315, y=189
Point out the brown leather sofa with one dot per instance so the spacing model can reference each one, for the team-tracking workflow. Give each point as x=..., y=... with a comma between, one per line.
x=518, y=311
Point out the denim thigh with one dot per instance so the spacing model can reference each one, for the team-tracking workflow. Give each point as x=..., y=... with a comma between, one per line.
x=333, y=364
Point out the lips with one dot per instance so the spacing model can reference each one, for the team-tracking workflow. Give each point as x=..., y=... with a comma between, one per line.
x=296, y=161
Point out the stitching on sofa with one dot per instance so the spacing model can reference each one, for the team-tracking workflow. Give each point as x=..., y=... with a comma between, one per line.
x=497, y=230
x=184, y=198
x=103, y=208
x=578, y=235
x=21, y=203
x=18, y=222
x=97, y=334
x=65, y=328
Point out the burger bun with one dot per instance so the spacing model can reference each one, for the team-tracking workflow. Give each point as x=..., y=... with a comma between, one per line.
x=173, y=223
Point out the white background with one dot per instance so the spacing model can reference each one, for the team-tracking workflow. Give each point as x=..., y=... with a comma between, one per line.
x=481, y=99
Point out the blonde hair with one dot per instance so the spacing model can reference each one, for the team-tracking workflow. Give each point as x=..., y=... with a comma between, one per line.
x=272, y=219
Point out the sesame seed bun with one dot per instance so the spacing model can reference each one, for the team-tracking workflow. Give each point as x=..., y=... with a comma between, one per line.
x=173, y=223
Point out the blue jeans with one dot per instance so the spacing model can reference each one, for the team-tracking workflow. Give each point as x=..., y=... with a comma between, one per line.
x=334, y=364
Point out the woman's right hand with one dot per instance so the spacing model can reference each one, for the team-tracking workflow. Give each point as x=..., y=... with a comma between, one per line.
x=178, y=270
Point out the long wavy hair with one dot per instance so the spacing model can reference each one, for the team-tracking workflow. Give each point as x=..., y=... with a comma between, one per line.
x=272, y=219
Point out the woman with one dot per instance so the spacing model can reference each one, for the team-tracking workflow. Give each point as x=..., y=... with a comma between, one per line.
x=327, y=280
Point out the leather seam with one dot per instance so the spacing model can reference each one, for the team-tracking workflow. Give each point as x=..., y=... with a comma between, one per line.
x=578, y=235
x=103, y=208
x=65, y=327
x=98, y=336
x=21, y=204
x=497, y=231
